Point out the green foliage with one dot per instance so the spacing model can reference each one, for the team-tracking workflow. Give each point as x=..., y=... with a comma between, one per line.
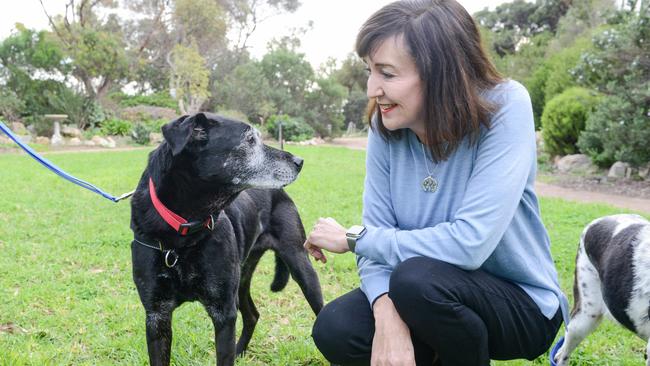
x=10, y=105
x=190, y=78
x=116, y=127
x=618, y=131
x=158, y=99
x=554, y=75
x=564, y=118
x=140, y=133
x=324, y=107
x=354, y=109
x=619, y=67
x=41, y=126
x=247, y=89
x=293, y=128
x=82, y=111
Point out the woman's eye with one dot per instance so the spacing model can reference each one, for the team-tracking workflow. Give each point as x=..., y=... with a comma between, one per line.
x=387, y=75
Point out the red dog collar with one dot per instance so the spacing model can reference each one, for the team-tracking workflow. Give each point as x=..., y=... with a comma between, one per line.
x=181, y=225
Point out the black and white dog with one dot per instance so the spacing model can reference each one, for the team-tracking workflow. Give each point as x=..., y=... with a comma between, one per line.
x=612, y=276
x=200, y=228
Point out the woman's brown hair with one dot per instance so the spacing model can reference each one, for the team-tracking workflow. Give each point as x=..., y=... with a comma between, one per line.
x=445, y=44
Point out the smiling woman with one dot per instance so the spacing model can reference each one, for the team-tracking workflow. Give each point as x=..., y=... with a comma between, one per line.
x=449, y=194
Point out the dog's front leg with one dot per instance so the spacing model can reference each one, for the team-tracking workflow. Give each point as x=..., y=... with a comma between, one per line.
x=159, y=337
x=224, y=328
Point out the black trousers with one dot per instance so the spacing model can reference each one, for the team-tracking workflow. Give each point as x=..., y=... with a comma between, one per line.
x=456, y=318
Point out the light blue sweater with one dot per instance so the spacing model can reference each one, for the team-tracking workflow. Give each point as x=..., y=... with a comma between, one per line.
x=484, y=214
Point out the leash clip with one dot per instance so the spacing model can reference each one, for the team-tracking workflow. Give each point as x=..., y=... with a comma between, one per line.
x=175, y=259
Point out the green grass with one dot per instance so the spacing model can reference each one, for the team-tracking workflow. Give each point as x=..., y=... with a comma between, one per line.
x=65, y=268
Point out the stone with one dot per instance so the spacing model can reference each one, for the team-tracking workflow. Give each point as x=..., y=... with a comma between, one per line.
x=576, y=163
x=644, y=171
x=75, y=141
x=18, y=128
x=69, y=131
x=619, y=170
x=100, y=141
x=5, y=140
x=42, y=140
x=89, y=143
x=25, y=138
x=111, y=144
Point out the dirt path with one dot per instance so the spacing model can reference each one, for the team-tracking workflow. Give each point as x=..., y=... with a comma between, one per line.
x=543, y=189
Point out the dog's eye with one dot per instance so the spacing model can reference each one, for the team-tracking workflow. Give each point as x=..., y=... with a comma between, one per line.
x=251, y=139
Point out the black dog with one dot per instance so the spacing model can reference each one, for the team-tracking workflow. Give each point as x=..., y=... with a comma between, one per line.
x=203, y=171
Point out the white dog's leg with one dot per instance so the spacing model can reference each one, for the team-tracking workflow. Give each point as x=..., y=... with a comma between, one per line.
x=588, y=308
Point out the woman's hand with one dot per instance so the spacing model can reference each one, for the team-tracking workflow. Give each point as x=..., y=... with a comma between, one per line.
x=329, y=235
x=392, y=344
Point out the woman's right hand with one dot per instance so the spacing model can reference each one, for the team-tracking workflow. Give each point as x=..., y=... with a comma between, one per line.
x=391, y=345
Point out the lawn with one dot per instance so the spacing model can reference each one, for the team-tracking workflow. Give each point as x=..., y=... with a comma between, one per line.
x=67, y=297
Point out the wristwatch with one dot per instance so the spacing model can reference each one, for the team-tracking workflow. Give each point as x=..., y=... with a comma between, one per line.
x=353, y=234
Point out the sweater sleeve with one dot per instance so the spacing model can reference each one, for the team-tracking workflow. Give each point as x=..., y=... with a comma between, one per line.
x=506, y=154
x=377, y=213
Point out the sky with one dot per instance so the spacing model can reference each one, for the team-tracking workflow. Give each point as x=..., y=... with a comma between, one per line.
x=335, y=23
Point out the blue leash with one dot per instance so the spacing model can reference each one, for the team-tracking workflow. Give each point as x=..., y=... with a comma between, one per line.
x=58, y=171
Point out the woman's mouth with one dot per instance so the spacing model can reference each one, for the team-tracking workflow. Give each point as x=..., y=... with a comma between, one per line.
x=385, y=108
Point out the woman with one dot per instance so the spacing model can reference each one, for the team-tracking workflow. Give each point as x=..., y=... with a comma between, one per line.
x=453, y=257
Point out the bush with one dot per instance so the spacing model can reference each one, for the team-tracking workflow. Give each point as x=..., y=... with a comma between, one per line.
x=10, y=105
x=140, y=134
x=116, y=126
x=293, y=129
x=618, y=130
x=41, y=126
x=564, y=119
x=159, y=99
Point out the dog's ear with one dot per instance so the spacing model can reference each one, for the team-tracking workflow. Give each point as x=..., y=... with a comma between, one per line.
x=180, y=132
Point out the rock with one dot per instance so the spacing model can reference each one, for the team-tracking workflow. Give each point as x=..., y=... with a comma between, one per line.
x=42, y=140
x=69, y=131
x=619, y=170
x=100, y=141
x=5, y=140
x=540, y=142
x=25, y=138
x=644, y=171
x=110, y=143
x=576, y=163
x=19, y=128
x=155, y=137
x=75, y=141
x=89, y=143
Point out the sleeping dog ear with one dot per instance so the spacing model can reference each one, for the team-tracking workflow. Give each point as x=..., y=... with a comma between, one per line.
x=180, y=132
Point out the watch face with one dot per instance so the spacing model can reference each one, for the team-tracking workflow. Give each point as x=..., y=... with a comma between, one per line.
x=356, y=230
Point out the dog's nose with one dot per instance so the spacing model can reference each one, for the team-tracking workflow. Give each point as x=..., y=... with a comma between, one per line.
x=298, y=162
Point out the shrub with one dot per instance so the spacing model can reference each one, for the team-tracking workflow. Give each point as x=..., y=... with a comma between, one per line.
x=116, y=126
x=10, y=105
x=564, y=119
x=41, y=126
x=293, y=129
x=158, y=99
x=617, y=130
x=140, y=133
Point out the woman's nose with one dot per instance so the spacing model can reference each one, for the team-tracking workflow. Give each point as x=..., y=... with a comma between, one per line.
x=374, y=88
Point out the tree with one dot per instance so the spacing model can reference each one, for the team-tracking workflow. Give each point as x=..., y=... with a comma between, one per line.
x=189, y=78
x=323, y=108
x=246, y=89
x=95, y=47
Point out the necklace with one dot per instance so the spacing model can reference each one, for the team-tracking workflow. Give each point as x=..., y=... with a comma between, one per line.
x=429, y=184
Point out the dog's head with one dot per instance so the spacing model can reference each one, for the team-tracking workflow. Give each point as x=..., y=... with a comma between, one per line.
x=229, y=153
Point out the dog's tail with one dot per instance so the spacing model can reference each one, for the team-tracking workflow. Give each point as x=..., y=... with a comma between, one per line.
x=281, y=277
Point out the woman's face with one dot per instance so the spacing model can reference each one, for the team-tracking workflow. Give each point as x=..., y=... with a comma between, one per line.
x=395, y=83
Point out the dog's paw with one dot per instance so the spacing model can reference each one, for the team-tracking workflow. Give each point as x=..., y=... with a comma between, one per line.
x=561, y=357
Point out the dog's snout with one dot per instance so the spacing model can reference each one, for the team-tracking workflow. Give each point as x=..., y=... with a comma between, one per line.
x=298, y=161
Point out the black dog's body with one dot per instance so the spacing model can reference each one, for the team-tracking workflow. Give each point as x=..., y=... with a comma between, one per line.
x=201, y=175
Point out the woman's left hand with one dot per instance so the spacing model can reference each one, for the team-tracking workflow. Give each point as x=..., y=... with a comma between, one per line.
x=329, y=235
